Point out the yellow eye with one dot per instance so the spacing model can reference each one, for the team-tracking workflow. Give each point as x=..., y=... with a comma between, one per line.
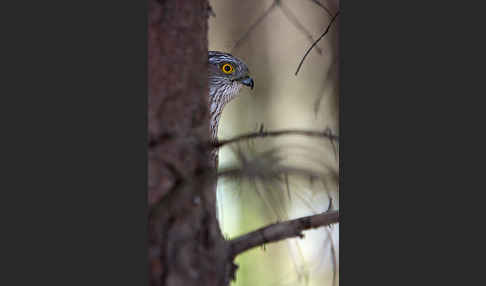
x=227, y=68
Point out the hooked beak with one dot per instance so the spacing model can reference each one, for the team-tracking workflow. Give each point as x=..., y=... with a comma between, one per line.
x=248, y=81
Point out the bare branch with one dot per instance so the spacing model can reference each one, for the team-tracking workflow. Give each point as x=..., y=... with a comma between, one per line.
x=252, y=27
x=293, y=19
x=315, y=43
x=324, y=134
x=282, y=230
x=323, y=7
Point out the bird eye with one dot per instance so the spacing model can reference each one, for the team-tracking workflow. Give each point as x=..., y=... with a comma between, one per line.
x=227, y=68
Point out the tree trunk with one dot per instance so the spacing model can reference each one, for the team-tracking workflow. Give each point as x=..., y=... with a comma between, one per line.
x=185, y=243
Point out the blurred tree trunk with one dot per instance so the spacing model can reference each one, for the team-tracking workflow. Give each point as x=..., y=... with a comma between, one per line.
x=185, y=244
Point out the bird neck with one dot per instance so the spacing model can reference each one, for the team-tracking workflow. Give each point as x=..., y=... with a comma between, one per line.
x=214, y=123
x=218, y=98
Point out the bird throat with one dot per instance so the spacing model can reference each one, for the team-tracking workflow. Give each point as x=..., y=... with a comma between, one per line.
x=218, y=98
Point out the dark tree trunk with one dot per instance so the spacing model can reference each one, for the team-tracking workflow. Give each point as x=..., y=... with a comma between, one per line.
x=185, y=244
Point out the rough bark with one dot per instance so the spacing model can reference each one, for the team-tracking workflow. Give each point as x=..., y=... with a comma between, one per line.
x=185, y=243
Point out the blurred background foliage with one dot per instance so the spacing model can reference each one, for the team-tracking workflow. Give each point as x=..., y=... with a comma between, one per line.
x=281, y=100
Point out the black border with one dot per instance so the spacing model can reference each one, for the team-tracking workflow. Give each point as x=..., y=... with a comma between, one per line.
x=406, y=70
x=74, y=152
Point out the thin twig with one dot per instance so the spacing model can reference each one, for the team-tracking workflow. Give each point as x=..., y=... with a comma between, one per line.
x=295, y=21
x=252, y=27
x=282, y=230
x=326, y=134
x=323, y=7
x=315, y=43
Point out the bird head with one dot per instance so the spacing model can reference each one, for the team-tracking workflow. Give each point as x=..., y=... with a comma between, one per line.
x=227, y=74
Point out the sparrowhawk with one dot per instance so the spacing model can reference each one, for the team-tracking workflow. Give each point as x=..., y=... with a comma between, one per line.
x=227, y=74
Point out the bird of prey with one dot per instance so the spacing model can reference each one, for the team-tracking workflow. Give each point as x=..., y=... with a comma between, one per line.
x=227, y=74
